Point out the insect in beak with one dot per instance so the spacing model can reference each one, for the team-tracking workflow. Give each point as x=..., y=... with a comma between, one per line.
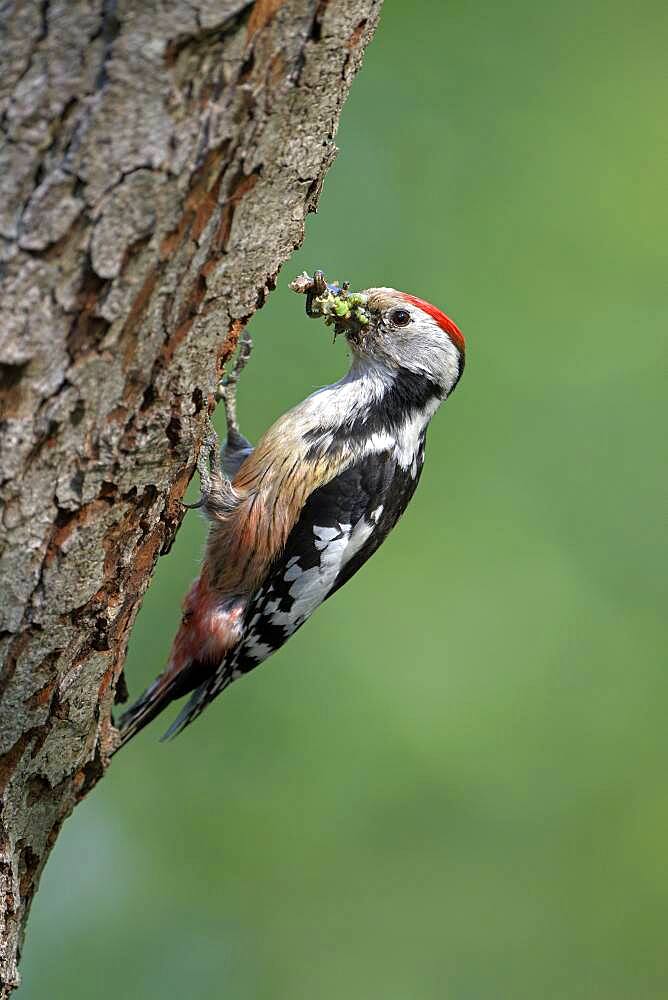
x=339, y=307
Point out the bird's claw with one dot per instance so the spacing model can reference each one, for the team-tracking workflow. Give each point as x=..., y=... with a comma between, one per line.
x=209, y=469
x=213, y=481
x=227, y=387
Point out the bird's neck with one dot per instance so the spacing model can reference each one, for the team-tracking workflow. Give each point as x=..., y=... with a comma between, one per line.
x=389, y=397
x=371, y=401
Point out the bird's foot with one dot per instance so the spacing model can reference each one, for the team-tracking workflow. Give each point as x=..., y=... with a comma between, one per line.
x=214, y=484
x=227, y=389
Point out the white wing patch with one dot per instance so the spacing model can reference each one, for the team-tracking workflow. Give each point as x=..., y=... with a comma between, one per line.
x=310, y=586
x=323, y=536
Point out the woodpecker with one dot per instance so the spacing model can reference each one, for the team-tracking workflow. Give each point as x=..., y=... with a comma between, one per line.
x=294, y=518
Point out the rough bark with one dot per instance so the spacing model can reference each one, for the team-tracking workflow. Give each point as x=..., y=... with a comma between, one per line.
x=157, y=161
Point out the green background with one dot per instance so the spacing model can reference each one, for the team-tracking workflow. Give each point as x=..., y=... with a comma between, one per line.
x=452, y=782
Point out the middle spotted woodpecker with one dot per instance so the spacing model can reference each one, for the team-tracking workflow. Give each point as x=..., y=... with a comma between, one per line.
x=292, y=520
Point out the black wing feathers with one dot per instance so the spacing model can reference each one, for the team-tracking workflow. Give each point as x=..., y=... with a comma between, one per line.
x=375, y=492
x=353, y=494
x=398, y=495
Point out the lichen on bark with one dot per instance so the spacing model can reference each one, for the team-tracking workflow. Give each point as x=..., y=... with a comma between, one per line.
x=157, y=161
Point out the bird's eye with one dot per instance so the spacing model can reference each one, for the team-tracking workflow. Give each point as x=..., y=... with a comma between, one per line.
x=400, y=317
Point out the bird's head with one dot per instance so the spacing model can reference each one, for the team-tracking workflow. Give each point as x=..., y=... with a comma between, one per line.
x=405, y=333
x=391, y=331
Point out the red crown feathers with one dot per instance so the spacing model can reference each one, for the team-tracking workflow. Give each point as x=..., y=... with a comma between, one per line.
x=445, y=323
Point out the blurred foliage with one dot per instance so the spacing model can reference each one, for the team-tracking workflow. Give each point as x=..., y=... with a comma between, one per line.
x=452, y=782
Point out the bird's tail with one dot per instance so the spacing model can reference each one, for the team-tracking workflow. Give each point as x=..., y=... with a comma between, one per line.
x=200, y=698
x=156, y=697
x=164, y=690
x=209, y=629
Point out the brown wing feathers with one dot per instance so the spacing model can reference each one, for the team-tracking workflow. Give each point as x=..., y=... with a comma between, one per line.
x=272, y=486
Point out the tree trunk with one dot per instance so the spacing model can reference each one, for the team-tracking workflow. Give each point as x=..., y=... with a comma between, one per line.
x=158, y=159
